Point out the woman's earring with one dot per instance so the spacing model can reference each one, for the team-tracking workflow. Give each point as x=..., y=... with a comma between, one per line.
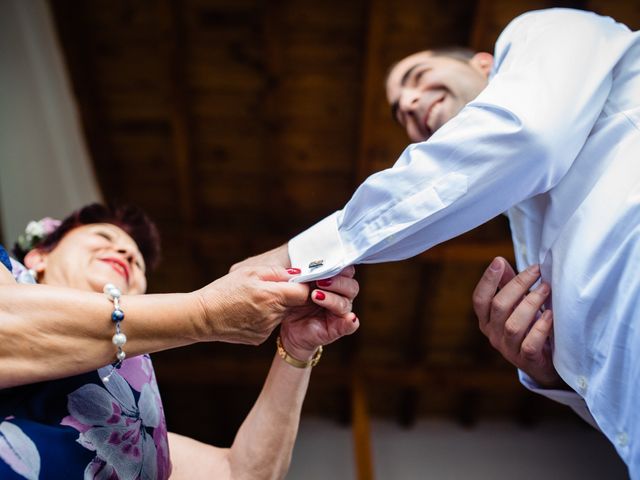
x=28, y=276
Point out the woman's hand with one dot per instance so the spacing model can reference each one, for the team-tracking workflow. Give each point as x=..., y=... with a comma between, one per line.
x=327, y=319
x=246, y=305
x=509, y=316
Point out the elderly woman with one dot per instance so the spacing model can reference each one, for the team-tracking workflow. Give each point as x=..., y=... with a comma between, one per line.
x=78, y=395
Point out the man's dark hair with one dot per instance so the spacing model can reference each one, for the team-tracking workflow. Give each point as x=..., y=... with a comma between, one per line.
x=462, y=54
x=129, y=218
x=459, y=53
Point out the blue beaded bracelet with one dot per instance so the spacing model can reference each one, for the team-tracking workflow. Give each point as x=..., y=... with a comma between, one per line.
x=119, y=339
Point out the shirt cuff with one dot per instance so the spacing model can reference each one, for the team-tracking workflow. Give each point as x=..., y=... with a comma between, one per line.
x=317, y=251
x=565, y=397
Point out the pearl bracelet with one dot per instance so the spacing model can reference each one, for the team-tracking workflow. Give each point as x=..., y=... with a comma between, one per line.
x=119, y=339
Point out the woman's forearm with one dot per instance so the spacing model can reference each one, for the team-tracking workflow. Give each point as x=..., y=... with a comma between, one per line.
x=263, y=446
x=51, y=332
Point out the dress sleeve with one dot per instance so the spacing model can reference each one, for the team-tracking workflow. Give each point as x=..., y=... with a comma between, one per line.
x=517, y=139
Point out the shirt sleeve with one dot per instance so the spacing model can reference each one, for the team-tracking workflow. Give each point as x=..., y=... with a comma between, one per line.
x=565, y=397
x=518, y=138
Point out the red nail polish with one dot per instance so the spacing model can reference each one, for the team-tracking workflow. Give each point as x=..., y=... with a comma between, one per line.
x=293, y=271
x=324, y=283
x=320, y=295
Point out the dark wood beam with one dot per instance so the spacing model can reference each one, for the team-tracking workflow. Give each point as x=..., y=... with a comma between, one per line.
x=271, y=98
x=361, y=430
x=457, y=251
x=449, y=377
x=79, y=52
x=480, y=25
x=179, y=114
x=415, y=343
x=372, y=76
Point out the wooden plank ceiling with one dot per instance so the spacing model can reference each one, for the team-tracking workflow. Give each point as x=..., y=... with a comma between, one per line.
x=238, y=123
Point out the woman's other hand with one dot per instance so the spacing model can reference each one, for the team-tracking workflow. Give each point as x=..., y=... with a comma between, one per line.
x=324, y=321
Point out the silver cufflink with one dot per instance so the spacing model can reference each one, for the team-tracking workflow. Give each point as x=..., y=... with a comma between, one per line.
x=316, y=264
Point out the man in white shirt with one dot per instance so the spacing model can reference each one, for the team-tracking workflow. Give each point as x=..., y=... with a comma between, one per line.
x=547, y=130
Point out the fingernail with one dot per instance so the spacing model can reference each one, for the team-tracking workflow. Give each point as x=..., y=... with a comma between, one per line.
x=293, y=271
x=320, y=295
x=533, y=268
x=495, y=265
x=543, y=288
x=324, y=283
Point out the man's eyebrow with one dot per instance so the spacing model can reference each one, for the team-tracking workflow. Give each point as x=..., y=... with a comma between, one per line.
x=396, y=105
x=408, y=73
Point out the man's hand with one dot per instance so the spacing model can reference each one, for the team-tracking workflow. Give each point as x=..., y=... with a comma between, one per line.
x=508, y=314
x=278, y=256
x=329, y=319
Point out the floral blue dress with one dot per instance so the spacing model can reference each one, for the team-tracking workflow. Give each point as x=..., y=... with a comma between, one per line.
x=82, y=427
x=4, y=258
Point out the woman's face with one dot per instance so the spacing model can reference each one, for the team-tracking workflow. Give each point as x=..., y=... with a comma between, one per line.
x=90, y=256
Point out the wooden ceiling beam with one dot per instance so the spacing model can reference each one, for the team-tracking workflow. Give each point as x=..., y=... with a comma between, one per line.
x=370, y=79
x=449, y=377
x=480, y=25
x=79, y=55
x=415, y=345
x=361, y=429
x=456, y=251
x=179, y=113
x=372, y=73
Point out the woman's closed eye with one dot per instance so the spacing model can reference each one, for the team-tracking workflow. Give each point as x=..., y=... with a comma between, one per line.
x=105, y=235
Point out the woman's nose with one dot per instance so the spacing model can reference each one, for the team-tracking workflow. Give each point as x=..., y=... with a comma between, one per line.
x=127, y=253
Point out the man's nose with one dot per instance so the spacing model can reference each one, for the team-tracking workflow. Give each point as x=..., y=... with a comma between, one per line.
x=409, y=99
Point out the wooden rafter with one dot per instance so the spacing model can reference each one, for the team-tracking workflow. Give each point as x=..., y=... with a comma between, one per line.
x=361, y=430
x=372, y=72
x=179, y=114
x=78, y=45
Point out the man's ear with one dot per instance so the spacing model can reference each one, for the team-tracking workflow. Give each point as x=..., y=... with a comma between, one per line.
x=482, y=61
x=36, y=260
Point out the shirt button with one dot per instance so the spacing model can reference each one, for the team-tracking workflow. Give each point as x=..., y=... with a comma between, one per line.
x=622, y=439
x=523, y=250
x=582, y=383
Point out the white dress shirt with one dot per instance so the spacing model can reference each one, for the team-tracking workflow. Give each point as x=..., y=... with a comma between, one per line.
x=554, y=140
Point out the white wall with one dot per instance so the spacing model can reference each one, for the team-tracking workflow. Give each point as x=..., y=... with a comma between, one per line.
x=44, y=165
x=443, y=450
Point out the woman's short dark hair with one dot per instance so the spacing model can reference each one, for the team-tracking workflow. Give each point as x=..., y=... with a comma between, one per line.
x=129, y=218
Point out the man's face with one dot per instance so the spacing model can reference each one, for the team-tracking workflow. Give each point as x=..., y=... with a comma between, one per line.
x=425, y=91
